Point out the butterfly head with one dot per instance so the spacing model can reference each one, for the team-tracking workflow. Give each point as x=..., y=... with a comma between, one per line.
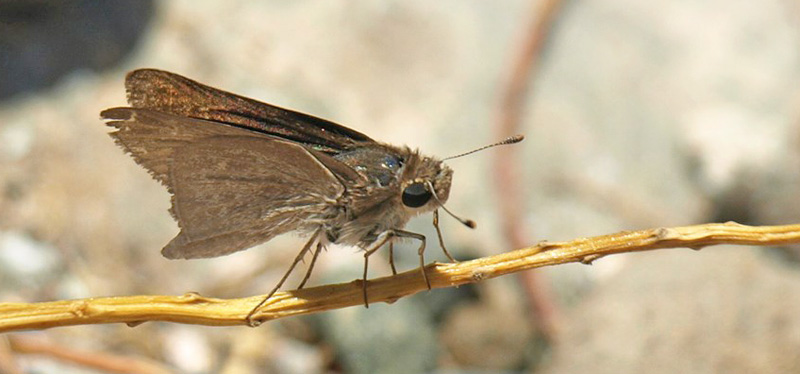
x=426, y=185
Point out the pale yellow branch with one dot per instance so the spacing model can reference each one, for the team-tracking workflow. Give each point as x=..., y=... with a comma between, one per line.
x=196, y=309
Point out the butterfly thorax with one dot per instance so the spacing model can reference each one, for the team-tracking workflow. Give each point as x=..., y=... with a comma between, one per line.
x=377, y=204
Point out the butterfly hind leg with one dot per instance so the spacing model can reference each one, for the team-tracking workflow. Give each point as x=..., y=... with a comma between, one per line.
x=306, y=248
x=311, y=265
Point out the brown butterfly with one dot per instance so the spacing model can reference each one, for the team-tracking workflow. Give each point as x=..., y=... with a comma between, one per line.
x=242, y=172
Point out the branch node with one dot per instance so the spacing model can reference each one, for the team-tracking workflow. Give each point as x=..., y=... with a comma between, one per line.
x=664, y=233
x=479, y=274
x=253, y=322
x=192, y=297
x=545, y=245
x=589, y=259
x=80, y=309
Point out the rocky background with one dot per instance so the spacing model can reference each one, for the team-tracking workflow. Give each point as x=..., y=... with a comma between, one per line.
x=641, y=114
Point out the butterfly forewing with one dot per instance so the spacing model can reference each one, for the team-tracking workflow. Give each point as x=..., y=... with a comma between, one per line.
x=167, y=92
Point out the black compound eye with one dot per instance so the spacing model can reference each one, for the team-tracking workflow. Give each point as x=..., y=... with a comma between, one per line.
x=416, y=195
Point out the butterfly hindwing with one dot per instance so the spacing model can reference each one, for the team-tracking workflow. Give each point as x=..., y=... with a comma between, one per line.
x=232, y=188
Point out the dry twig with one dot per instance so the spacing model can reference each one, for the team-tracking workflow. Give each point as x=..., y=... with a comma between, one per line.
x=508, y=172
x=105, y=362
x=196, y=309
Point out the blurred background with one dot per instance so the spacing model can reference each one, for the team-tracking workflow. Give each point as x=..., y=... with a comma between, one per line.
x=637, y=115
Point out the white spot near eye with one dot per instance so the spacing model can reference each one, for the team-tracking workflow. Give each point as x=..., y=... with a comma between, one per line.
x=389, y=162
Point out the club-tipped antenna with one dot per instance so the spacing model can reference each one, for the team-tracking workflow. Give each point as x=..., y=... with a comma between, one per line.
x=510, y=140
x=467, y=222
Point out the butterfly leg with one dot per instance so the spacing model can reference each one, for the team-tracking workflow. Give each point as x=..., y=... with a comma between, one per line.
x=420, y=251
x=439, y=234
x=391, y=258
x=380, y=240
x=297, y=260
x=311, y=265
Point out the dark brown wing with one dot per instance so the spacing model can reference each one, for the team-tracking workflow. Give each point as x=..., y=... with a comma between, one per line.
x=232, y=188
x=171, y=93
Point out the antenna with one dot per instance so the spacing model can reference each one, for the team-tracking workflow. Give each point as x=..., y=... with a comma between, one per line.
x=467, y=222
x=510, y=140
